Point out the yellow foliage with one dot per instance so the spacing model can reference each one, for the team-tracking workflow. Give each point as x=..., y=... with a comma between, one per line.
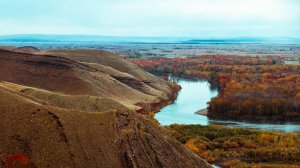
x=191, y=145
x=266, y=137
x=266, y=75
x=151, y=114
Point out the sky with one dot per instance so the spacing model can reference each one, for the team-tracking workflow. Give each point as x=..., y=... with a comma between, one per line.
x=181, y=18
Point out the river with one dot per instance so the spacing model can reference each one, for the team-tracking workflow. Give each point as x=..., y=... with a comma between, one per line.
x=194, y=96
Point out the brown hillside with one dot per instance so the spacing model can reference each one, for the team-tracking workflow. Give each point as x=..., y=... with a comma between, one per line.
x=57, y=74
x=78, y=102
x=10, y=48
x=53, y=137
x=109, y=59
x=27, y=49
x=58, y=112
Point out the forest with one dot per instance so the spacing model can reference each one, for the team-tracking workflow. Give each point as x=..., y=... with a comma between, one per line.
x=250, y=87
x=233, y=147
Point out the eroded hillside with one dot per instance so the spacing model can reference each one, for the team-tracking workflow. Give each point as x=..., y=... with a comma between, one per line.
x=79, y=109
x=116, y=79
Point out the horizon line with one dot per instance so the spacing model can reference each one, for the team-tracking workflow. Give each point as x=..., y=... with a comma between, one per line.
x=134, y=36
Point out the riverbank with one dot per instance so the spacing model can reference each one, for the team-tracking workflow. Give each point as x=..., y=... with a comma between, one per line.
x=152, y=108
x=214, y=142
x=202, y=112
x=194, y=95
x=249, y=86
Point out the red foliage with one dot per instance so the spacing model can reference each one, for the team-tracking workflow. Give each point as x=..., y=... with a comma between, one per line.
x=12, y=160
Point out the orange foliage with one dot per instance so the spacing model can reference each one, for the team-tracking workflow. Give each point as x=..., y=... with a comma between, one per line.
x=191, y=145
x=249, y=86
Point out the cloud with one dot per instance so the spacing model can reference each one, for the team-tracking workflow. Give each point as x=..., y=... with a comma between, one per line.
x=152, y=17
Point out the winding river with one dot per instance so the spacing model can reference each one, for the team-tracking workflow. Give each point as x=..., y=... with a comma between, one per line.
x=194, y=96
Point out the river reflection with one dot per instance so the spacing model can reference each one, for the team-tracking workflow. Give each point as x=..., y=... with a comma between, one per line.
x=194, y=96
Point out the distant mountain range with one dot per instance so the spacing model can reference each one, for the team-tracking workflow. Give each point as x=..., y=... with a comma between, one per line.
x=37, y=38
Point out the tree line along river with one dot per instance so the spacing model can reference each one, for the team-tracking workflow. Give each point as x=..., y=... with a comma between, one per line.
x=194, y=96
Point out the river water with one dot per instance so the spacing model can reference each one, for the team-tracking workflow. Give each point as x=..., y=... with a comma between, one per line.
x=194, y=96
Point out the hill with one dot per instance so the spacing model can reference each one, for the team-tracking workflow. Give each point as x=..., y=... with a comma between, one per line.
x=26, y=49
x=58, y=112
x=114, y=78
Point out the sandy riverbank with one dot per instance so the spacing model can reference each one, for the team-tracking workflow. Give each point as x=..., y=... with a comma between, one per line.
x=202, y=112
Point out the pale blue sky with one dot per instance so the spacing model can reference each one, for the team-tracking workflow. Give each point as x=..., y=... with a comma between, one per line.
x=201, y=18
